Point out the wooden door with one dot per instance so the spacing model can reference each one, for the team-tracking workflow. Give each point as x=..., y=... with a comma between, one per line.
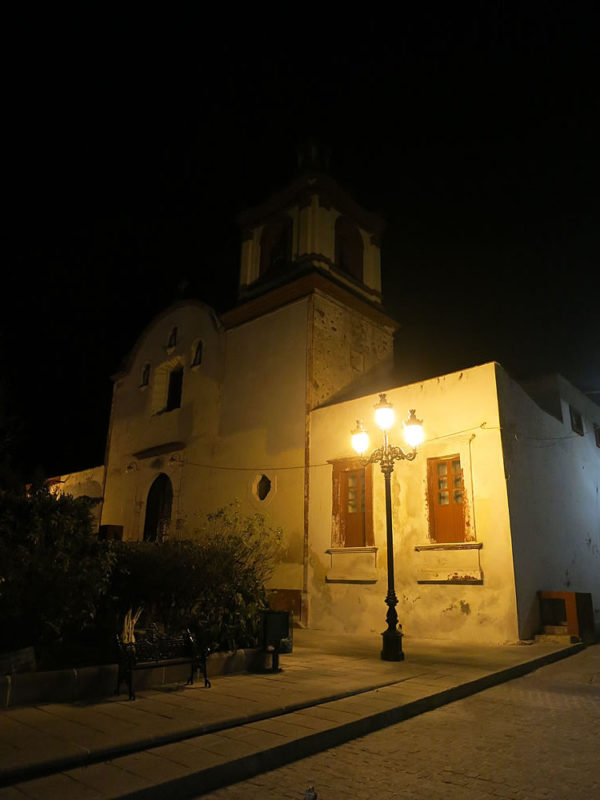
x=446, y=499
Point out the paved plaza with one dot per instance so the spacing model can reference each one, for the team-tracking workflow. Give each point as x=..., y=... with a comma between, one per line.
x=184, y=741
x=535, y=737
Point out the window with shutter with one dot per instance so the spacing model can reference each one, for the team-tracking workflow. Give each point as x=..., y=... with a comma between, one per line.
x=446, y=499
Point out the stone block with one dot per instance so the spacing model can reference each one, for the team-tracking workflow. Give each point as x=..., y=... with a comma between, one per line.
x=31, y=688
x=96, y=681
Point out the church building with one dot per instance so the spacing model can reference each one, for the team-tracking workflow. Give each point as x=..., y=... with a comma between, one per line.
x=258, y=404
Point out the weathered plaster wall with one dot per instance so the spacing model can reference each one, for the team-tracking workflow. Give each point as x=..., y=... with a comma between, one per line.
x=242, y=415
x=460, y=415
x=139, y=422
x=553, y=479
x=86, y=483
x=262, y=424
x=345, y=345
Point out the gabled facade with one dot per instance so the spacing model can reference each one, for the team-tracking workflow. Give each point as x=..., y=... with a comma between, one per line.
x=257, y=405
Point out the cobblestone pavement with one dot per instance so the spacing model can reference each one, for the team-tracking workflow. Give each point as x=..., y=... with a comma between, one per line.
x=534, y=737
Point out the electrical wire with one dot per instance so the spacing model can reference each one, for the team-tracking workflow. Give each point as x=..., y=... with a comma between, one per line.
x=483, y=426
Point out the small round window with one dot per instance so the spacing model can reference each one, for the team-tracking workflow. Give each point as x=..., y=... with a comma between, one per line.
x=263, y=487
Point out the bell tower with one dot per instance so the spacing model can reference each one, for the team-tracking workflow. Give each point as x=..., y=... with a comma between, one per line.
x=311, y=243
x=311, y=226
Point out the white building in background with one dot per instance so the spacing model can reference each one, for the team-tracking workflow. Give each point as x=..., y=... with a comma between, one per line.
x=257, y=405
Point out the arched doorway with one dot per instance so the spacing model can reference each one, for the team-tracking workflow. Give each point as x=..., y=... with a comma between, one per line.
x=158, y=509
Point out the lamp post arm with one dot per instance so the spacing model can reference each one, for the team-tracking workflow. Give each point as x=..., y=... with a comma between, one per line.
x=387, y=455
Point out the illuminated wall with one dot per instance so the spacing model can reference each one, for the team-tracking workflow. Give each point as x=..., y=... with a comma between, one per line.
x=553, y=479
x=461, y=590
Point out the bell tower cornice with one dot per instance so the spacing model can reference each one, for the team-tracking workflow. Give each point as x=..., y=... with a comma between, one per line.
x=300, y=192
x=310, y=283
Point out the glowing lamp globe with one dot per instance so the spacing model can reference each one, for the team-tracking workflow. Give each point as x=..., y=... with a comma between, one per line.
x=413, y=430
x=360, y=439
x=384, y=413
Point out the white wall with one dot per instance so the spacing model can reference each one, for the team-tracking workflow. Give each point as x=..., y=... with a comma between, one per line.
x=262, y=426
x=243, y=414
x=137, y=421
x=553, y=479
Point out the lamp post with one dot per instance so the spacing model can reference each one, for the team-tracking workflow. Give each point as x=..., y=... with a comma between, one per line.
x=386, y=455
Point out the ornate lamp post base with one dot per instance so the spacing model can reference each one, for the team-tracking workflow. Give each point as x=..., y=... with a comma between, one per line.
x=392, y=646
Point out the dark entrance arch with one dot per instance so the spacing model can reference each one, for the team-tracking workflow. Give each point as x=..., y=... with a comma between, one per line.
x=158, y=509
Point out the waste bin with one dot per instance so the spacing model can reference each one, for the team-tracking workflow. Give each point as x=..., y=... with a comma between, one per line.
x=277, y=634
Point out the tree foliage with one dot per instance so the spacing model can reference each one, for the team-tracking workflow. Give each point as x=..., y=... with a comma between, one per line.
x=52, y=568
x=66, y=593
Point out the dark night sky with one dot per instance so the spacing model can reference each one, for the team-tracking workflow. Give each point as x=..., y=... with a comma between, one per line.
x=133, y=144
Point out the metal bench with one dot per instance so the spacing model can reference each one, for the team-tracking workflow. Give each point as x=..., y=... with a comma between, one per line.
x=153, y=649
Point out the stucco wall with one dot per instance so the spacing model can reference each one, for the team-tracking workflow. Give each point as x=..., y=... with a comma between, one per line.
x=460, y=416
x=262, y=426
x=553, y=478
x=139, y=422
x=242, y=415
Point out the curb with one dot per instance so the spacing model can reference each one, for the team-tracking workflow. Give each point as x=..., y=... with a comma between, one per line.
x=225, y=774
x=87, y=757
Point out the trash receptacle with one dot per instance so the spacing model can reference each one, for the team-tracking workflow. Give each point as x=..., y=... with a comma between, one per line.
x=277, y=634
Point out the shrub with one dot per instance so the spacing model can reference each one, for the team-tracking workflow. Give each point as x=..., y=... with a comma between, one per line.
x=53, y=571
x=66, y=593
x=213, y=582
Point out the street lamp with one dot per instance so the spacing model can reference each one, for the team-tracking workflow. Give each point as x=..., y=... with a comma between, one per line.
x=386, y=455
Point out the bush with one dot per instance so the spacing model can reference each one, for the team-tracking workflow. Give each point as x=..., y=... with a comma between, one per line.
x=213, y=583
x=53, y=571
x=67, y=593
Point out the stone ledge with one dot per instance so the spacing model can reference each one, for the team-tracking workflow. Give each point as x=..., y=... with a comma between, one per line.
x=86, y=683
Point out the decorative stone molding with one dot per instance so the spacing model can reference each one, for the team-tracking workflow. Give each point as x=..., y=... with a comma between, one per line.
x=453, y=562
x=352, y=565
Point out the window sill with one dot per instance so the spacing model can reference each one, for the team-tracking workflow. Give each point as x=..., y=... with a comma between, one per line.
x=352, y=565
x=343, y=577
x=461, y=577
x=449, y=546
x=449, y=563
x=166, y=411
